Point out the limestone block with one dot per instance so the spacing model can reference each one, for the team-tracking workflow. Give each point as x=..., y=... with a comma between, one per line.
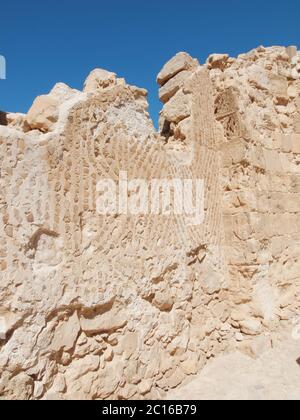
x=291, y=51
x=212, y=282
x=169, y=89
x=107, y=322
x=234, y=152
x=99, y=79
x=18, y=121
x=190, y=366
x=8, y=321
x=79, y=368
x=63, y=92
x=178, y=108
x=278, y=85
x=296, y=143
x=287, y=143
x=218, y=61
x=65, y=334
x=145, y=386
x=239, y=315
x=43, y=113
x=296, y=123
x=181, y=61
x=129, y=345
x=273, y=161
x=256, y=346
x=292, y=92
x=251, y=326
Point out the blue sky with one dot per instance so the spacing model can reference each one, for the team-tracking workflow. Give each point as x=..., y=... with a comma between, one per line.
x=63, y=40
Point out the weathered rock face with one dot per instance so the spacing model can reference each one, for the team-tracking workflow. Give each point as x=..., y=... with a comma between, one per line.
x=127, y=306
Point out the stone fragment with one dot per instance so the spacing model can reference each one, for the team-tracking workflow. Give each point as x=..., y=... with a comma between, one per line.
x=145, y=386
x=175, y=379
x=217, y=61
x=8, y=321
x=251, y=326
x=18, y=121
x=291, y=51
x=59, y=384
x=238, y=315
x=99, y=79
x=256, y=346
x=43, y=113
x=130, y=343
x=181, y=61
x=239, y=337
x=81, y=367
x=212, y=282
x=65, y=334
x=178, y=108
x=169, y=89
x=63, y=92
x=108, y=322
x=191, y=365
x=163, y=300
x=296, y=143
x=292, y=92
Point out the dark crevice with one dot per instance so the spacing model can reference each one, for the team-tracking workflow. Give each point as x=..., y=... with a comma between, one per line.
x=3, y=118
x=166, y=131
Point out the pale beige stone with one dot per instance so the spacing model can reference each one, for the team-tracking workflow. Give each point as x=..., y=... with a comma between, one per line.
x=169, y=89
x=178, y=108
x=217, y=61
x=106, y=307
x=181, y=61
x=18, y=121
x=63, y=92
x=108, y=322
x=79, y=368
x=99, y=79
x=145, y=386
x=239, y=337
x=43, y=113
x=251, y=326
x=212, y=282
x=191, y=365
x=273, y=375
x=256, y=346
x=291, y=51
x=65, y=334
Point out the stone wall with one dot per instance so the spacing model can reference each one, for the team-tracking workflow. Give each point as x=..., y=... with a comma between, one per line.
x=122, y=306
x=257, y=103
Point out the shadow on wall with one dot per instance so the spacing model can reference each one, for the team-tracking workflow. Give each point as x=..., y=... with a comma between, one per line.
x=3, y=118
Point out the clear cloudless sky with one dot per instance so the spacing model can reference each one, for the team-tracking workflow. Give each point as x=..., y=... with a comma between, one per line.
x=63, y=40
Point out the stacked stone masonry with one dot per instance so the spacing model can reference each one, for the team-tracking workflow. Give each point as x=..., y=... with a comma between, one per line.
x=128, y=307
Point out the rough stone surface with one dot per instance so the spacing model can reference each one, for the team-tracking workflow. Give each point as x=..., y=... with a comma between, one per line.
x=43, y=114
x=182, y=61
x=129, y=306
x=250, y=327
x=168, y=90
x=218, y=61
x=273, y=375
x=99, y=79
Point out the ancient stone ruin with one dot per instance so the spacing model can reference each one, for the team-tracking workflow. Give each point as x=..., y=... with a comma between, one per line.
x=129, y=306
